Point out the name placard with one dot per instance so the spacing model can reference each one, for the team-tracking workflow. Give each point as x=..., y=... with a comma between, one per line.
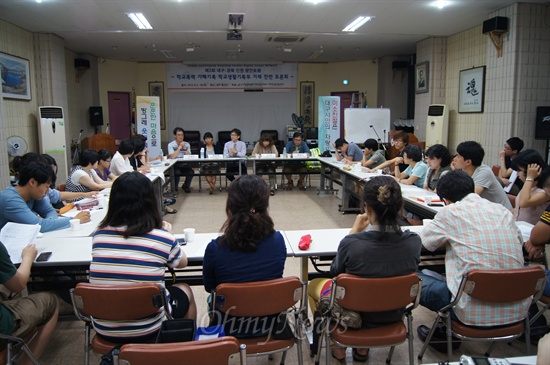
x=190, y=157
x=299, y=155
x=215, y=156
x=267, y=155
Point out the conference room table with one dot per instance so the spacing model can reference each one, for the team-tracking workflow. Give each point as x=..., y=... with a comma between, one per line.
x=351, y=176
x=194, y=161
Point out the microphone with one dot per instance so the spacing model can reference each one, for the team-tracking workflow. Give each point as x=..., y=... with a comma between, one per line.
x=379, y=139
x=370, y=126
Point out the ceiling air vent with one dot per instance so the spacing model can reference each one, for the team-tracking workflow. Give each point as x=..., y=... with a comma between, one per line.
x=285, y=38
x=167, y=53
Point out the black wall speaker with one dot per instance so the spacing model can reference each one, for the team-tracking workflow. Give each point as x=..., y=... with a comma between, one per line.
x=498, y=23
x=81, y=63
x=542, y=126
x=96, y=115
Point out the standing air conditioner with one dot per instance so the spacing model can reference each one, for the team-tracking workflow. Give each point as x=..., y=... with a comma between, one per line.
x=437, y=126
x=52, y=138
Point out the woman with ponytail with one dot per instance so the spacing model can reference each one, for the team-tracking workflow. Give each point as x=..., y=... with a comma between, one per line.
x=250, y=249
x=376, y=247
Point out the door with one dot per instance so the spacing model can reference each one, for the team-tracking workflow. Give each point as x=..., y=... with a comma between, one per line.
x=345, y=102
x=120, y=118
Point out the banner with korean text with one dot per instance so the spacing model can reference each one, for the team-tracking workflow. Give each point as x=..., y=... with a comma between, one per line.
x=328, y=121
x=148, y=123
x=231, y=77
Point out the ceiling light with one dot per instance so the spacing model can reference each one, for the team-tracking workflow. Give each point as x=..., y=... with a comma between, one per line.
x=357, y=23
x=167, y=53
x=313, y=55
x=139, y=20
x=440, y=4
x=39, y=1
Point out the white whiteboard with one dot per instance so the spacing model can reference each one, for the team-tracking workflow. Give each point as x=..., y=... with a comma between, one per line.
x=361, y=123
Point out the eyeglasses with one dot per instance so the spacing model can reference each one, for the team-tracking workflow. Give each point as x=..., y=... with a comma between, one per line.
x=107, y=160
x=397, y=140
x=233, y=134
x=507, y=148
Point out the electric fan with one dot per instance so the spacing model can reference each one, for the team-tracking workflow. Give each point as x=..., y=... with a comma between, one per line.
x=298, y=121
x=17, y=146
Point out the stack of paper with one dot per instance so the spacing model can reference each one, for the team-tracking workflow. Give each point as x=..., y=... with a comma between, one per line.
x=16, y=237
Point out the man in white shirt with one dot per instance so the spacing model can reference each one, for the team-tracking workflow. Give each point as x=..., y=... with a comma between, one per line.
x=177, y=149
x=232, y=149
x=469, y=158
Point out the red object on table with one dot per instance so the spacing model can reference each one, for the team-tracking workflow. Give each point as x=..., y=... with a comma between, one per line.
x=305, y=241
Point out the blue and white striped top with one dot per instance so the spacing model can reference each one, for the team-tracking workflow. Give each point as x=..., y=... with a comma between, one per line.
x=137, y=259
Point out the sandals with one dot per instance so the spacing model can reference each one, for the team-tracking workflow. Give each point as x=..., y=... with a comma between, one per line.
x=173, y=211
x=272, y=192
x=336, y=357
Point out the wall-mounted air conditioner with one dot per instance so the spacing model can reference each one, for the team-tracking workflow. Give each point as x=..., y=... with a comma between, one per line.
x=52, y=138
x=437, y=126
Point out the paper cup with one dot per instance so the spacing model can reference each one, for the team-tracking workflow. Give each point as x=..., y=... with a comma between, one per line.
x=164, y=158
x=75, y=224
x=189, y=234
x=425, y=222
x=428, y=200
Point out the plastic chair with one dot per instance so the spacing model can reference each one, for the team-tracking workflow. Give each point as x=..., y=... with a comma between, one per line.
x=115, y=302
x=264, y=298
x=372, y=295
x=16, y=346
x=219, y=351
x=494, y=287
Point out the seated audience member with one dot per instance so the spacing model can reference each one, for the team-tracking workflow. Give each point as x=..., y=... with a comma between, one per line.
x=133, y=245
x=103, y=164
x=415, y=174
x=469, y=157
x=210, y=169
x=250, y=249
x=376, y=247
x=531, y=201
x=120, y=162
x=144, y=157
x=83, y=177
x=297, y=145
x=372, y=156
x=477, y=234
x=512, y=148
x=233, y=149
x=139, y=159
x=540, y=234
x=263, y=146
x=177, y=149
x=400, y=141
x=56, y=197
x=25, y=202
x=19, y=316
x=439, y=163
x=350, y=152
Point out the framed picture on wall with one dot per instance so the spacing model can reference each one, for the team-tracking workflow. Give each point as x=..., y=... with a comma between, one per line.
x=422, y=78
x=471, y=90
x=307, y=100
x=16, y=81
x=156, y=88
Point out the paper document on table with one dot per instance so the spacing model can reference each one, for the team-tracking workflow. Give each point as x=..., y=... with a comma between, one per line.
x=160, y=175
x=15, y=236
x=512, y=180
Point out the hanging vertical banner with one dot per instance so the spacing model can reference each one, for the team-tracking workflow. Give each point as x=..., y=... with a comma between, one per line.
x=148, y=123
x=329, y=121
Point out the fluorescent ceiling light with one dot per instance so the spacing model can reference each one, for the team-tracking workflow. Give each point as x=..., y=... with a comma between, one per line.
x=440, y=4
x=357, y=23
x=313, y=55
x=139, y=20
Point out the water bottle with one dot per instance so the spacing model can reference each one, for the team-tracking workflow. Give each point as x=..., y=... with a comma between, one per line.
x=284, y=152
x=202, y=153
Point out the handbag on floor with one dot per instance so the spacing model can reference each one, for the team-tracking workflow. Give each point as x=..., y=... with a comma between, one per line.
x=176, y=330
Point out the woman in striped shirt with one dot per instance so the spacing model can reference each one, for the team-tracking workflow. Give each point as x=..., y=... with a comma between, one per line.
x=133, y=245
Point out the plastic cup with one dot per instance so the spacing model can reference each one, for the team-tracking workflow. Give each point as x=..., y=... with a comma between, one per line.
x=75, y=224
x=164, y=158
x=428, y=200
x=189, y=234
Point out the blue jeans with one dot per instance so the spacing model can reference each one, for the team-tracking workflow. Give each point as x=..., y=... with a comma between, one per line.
x=435, y=294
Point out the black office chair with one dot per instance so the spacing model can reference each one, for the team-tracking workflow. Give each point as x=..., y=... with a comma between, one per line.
x=223, y=138
x=194, y=139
